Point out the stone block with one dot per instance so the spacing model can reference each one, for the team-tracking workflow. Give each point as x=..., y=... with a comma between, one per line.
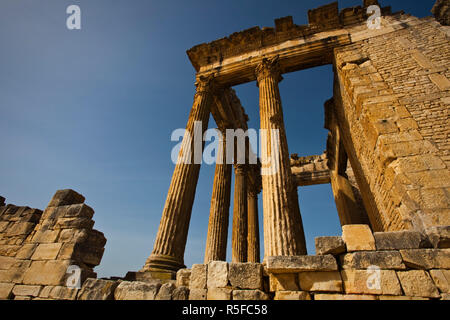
x=371, y=282
x=365, y=259
x=63, y=293
x=417, y=283
x=245, y=275
x=45, y=292
x=20, y=228
x=91, y=256
x=76, y=223
x=166, y=291
x=136, y=290
x=65, y=197
x=96, y=239
x=250, y=295
x=442, y=279
x=24, y=290
x=219, y=294
x=292, y=295
x=73, y=235
x=283, y=282
x=358, y=237
x=3, y=225
x=45, y=236
x=47, y=272
x=401, y=298
x=398, y=240
x=47, y=251
x=7, y=262
x=351, y=297
x=426, y=258
x=26, y=251
x=183, y=276
x=329, y=245
x=320, y=281
x=439, y=236
x=180, y=293
x=294, y=264
x=22, y=298
x=6, y=290
x=197, y=294
x=198, y=276
x=97, y=289
x=217, y=274
x=15, y=274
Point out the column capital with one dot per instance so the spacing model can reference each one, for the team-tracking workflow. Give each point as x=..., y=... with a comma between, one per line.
x=205, y=83
x=269, y=67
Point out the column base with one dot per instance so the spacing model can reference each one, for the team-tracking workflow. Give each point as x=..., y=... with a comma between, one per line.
x=157, y=263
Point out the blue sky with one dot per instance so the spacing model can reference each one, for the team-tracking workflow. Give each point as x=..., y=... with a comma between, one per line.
x=93, y=110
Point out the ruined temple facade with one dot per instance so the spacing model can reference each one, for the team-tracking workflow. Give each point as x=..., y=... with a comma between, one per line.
x=387, y=159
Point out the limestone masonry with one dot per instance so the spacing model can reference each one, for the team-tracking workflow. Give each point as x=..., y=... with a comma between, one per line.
x=387, y=160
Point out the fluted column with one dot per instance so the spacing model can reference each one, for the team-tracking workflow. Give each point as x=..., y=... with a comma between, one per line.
x=282, y=232
x=216, y=242
x=170, y=243
x=239, y=236
x=253, y=227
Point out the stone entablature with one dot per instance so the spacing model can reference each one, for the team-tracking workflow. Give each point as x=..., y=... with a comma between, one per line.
x=310, y=170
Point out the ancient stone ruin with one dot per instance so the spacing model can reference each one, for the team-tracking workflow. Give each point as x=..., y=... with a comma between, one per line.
x=387, y=160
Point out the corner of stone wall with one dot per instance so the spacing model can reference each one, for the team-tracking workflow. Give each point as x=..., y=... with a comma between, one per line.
x=37, y=248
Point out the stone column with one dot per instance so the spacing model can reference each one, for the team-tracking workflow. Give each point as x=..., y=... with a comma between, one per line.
x=240, y=215
x=216, y=242
x=170, y=243
x=253, y=227
x=282, y=232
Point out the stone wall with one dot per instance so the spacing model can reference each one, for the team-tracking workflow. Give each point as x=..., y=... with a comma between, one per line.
x=37, y=248
x=360, y=265
x=391, y=100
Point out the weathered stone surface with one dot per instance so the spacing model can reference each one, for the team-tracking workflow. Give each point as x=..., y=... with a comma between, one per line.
x=367, y=282
x=445, y=296
x=330, y=245
x=283, y=282
x=400, y=298
x=363, y=260
x=180, y=293
x=292, y=295
x=246, y=275
x=293, y=264
x=183, y=277
x=198, y=276
x=6, y=290
x=26, y=251
x=24, y=290
x=6, y=262
x=320, y=281
x=249, y=295
x=217, y=274
x=136, y=291
x=22, y=298
x=417, y=283
x=439, y=236
x=46, y=251
x=426, y=258
x=166, y=291
x=197, y=294
x=97, y=289
x=16, y=273
x=219, y=294
x=63, y=293
x=51, y=272
x=358, y=237
x=21, y=228
x=65, y=197
x=442, y=279
x=397, y=240
x=326, y=296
